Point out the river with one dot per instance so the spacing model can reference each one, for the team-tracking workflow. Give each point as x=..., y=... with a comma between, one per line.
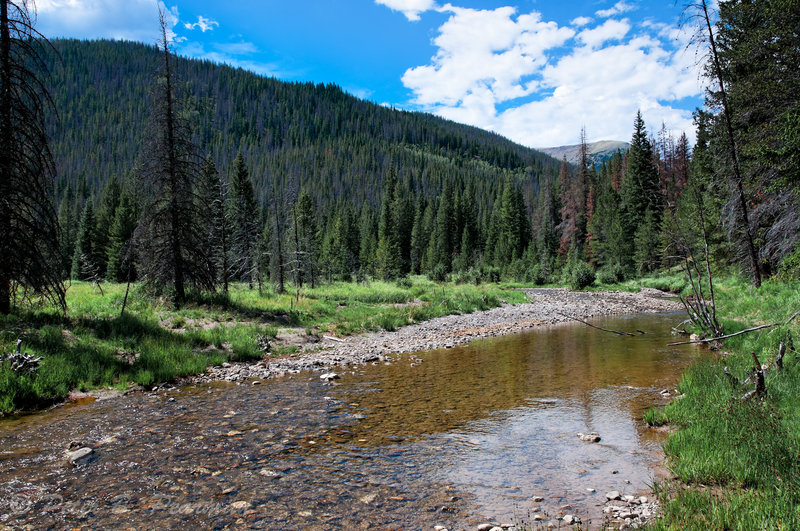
x=453, y=437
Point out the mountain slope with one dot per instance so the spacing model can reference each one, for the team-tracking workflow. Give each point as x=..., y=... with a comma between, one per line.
x=292, y=135
x=598, y=151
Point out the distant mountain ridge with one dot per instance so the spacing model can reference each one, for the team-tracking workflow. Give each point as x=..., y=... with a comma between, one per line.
x=598, y=151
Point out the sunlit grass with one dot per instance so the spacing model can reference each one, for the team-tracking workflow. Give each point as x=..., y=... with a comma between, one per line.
x=737, y=461
x=152, y=342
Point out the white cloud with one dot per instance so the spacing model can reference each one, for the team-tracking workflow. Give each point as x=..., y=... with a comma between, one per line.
x=580, y=21
x=619, y=8
x=538, y=83
x=205, y=24
x=482, y=50
x=230, y=54
x=610, y=30
x=135, y=20
x=410, y=8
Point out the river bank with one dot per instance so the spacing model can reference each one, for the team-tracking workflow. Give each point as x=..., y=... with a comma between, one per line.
x=545, y=307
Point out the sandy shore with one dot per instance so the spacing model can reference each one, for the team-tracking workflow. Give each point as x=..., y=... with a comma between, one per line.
x=546, y=307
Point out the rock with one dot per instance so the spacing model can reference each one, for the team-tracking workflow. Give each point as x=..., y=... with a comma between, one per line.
x=439, y=528
x=75, y=456
x=643, y=500
x=592, y=437
x=241, y=504
x=591, y=490
x=328, y=376
x=570, y=519
x=626, y=515
x=369, y=498
x=267, y=473
x=537, y=499
x=538, y=517
x=612, y=495
x=484, y=527
x=629, y=498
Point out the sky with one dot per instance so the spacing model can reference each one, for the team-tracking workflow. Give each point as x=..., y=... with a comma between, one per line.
x=534, y=71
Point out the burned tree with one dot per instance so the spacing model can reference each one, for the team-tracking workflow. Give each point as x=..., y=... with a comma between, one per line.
x=29, y=248
x=172, y=251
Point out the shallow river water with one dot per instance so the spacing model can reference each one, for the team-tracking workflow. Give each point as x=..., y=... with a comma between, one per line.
x=452, y=437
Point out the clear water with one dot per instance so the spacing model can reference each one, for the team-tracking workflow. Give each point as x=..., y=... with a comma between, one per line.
x=465, y=436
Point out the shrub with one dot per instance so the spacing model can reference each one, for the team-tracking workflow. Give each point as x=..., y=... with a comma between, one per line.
x=611, y=274
x=581, y=275
x=536, y=275
x=438, y=274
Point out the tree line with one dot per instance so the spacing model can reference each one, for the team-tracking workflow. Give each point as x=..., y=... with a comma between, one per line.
x=324, y=187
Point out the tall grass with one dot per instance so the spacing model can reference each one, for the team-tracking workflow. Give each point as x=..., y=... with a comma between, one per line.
x=737, y=462
x=152, y=342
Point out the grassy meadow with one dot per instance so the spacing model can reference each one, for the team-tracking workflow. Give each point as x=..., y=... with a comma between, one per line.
x=737, y=462
x=93, y=346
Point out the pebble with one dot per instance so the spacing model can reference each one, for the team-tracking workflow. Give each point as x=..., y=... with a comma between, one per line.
x=537, y=499
x=592, y=437
x=439, y=528
x=570, y=519
x=74, y=457
x=612, y=495
x=484, y=527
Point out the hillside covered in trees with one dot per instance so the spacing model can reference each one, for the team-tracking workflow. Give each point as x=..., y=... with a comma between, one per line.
x=303, y=182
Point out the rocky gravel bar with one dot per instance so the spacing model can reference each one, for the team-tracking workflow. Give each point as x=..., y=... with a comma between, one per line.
x=547, y=307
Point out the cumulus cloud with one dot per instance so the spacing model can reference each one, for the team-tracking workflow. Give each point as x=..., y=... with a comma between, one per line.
x=619, y=8
x=609, y=30
x=410, y=8
x=580, y=21
x=538, y=83
x=203, y=23
x=484, y=52
x=135, y=20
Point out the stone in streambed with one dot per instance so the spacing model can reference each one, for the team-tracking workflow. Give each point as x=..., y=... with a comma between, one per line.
x=592, y=437
x=328, y=376
x=76, y=456
x=612, y=495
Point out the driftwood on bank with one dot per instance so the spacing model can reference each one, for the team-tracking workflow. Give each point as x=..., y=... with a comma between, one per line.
x=597, y=327
x=740, y=332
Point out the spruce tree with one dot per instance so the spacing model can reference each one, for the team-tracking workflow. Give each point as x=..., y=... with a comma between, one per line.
x=84, y=258
x=29, y=245
x=244, y=223
x=120, y=251
x=172, y=250
x=639, y=191
x=105, y=217
x=388, y=255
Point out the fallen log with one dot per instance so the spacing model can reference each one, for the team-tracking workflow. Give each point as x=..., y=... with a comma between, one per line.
x=597, y=327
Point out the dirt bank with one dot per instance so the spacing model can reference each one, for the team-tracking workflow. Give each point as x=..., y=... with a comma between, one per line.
x=546, y=307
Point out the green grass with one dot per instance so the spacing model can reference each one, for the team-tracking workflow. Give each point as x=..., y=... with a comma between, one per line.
x=95, y=347
x=737, y=462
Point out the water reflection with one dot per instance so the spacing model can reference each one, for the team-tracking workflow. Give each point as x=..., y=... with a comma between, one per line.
x=467, y=434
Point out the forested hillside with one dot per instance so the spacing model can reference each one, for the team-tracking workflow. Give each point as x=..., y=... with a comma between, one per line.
x=292, y=135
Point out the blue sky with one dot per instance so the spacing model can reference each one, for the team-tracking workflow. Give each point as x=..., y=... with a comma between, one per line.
x=535, y=71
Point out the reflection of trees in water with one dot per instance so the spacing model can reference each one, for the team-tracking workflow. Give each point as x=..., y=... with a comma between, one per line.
x=456, y=386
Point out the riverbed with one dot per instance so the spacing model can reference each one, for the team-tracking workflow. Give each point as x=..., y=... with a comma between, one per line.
x=477, y=433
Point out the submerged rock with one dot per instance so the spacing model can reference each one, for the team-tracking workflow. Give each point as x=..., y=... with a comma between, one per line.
x=592, y=437
x=76, y=456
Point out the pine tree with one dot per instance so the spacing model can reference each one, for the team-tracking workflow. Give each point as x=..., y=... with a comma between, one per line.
x=213, y=220
x=639, y=192
x=29, y=246
x=105, y=217
x=388, y=256
x=120, y=252
x=244, y=223
x=84, y=259
x=172, y=250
